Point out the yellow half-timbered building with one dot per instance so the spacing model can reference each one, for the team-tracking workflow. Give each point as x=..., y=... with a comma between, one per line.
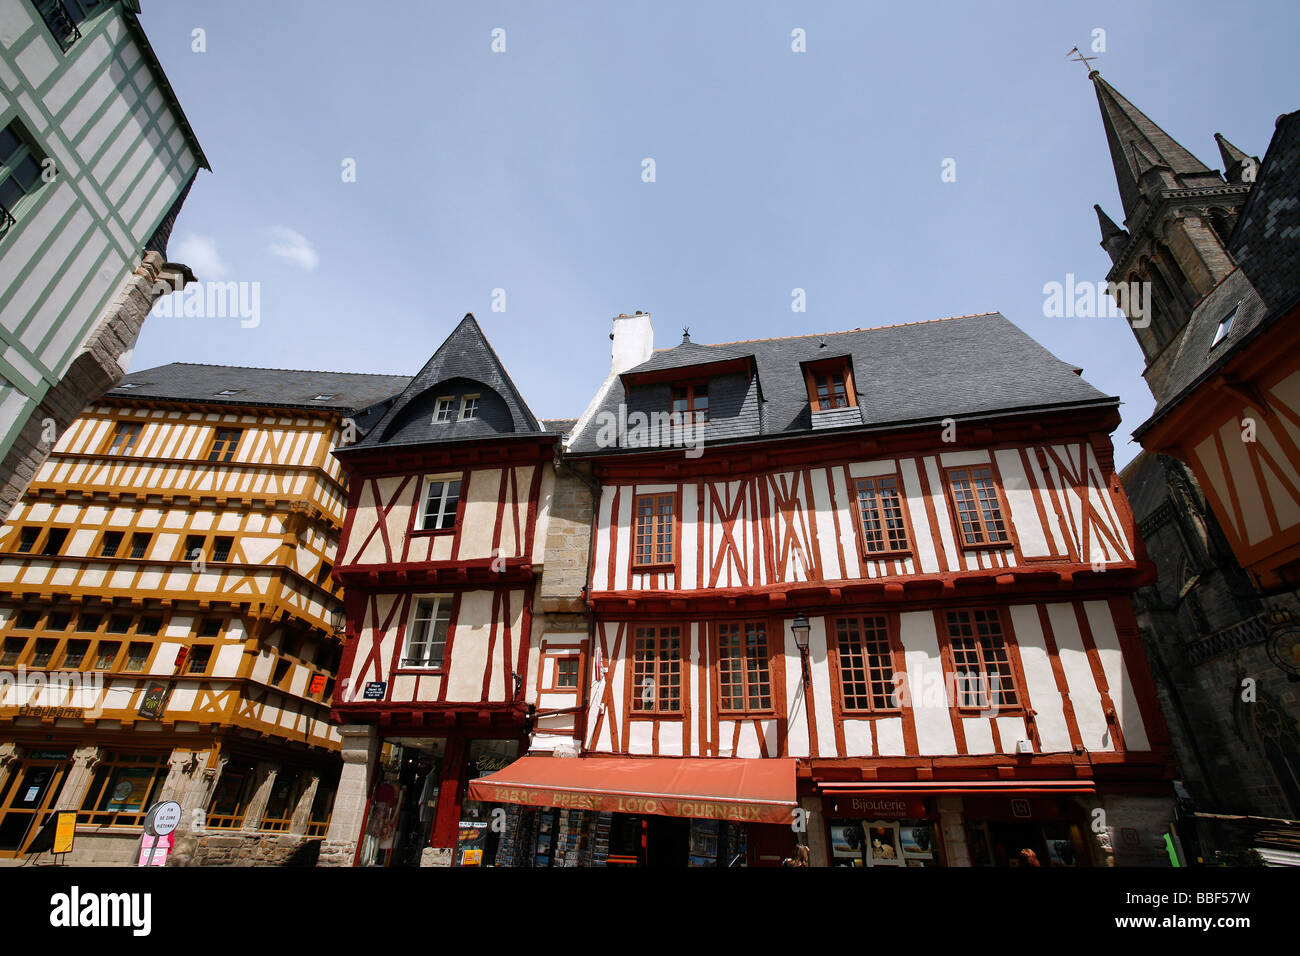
x=170, y=623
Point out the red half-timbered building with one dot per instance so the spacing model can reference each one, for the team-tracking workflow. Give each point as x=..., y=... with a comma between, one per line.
x=868, y=592
x=439, y=558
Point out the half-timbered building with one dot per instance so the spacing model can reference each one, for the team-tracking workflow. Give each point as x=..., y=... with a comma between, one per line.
x=168, y=622
x=1216, y=491
x=451, y=657
x=868, y=592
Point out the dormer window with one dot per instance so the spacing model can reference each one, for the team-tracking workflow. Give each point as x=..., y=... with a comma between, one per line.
x=469, y=407
x=445, y=408
x=1225, y=326
x=830, y=384
x=691, y=403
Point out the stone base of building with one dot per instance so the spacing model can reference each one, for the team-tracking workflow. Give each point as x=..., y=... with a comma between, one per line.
x=245, y=849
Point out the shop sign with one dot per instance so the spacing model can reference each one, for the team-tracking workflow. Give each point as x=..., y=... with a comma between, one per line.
x=317, y=684
x=48, y=755
x=30, y=710
x=876, y=807
x=375, y=690
x=471, y=839
x=1015, y=808
x=65, y=831
x=738, y=811
x=154, y=701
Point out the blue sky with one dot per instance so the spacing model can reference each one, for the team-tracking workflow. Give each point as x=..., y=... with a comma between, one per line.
x=774, y=170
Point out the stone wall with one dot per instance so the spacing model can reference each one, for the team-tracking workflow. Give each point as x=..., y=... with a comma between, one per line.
x=568, y=540
x=244, y=849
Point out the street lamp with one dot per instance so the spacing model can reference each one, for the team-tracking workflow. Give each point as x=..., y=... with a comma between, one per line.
x=338, y=620
x=801, y=627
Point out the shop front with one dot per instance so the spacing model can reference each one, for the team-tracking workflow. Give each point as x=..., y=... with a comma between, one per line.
x=943, y=828
x=420, y=812
x=642, y=812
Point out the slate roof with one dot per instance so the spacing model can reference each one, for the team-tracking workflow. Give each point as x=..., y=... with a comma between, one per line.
x=464, y=364
x=686, y=354
x=1144, y=482
x=1266, y=283
x=923, y=371
x=273, y=387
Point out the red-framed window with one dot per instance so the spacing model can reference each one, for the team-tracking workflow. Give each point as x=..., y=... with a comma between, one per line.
x=864, y=656
x=656, y=527
x=978, y=505
x=657, y=670
x=830, y=385
x=882, y=516
x=691, y=402
x=980, y=660
x=744, y=667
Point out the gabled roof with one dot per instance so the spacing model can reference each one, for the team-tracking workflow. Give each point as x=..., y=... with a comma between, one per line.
x=924, y=371
x=1137, y=144
x=270, y=387
x=1266, y=283
x=464, y=364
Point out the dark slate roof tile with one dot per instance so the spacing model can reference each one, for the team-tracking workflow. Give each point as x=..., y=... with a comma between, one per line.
x=273, y=387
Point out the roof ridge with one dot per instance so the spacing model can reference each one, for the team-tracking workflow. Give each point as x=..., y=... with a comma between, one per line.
x=814, y=335
x=264, y=368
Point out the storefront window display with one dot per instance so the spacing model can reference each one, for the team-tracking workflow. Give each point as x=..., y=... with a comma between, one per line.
x=479, y=834
x=884, y=843
x=403, y=802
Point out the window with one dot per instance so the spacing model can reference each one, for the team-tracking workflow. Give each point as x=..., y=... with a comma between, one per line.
x=13, y=649
x=979, y=508
x=106, y=655
x=830, y=385
x=1225, y=326
x=221, y=548
x=426, y=641
x=149, y=625
x=20, y=171
x=127, y=386
x=123, y=789
x=139, y=544
x=281, y=671
x=226, y=392
x=657, y=670
x=118, y=624
x=230, y=797
x=744, y=676
x=691, y=403
x=979, y=658
x=285, y=793
x=880, y=514
x=445, y=408
x=109, y=544
x=866, y=663
x=210, y=627
x=124, y=439
x=89, y=623
x=197, y=660
x=224, y=444
x=58, y=621
x=137, y=655
x=323, y=397
x=566, y=671
x=54, y=543
x=75, y=654
x=28, y=620
x=27, y=539
x=43, y=652
x=441, y=499
x=469, y=407
x=655, y=525
x=193, y=547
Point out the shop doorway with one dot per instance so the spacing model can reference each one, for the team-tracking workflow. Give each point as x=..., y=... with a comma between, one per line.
x=28, y=795
x=667, y=841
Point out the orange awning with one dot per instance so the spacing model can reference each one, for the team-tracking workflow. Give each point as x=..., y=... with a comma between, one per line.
x=753, y=790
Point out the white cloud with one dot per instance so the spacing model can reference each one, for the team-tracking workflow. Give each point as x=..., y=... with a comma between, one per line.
x=200, y=254
x=293, y=246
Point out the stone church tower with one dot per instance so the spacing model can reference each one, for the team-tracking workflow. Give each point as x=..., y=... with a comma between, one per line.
x=1203, y=622
x=1178, y=214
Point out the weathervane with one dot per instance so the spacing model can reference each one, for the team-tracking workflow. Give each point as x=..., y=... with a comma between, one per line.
x=1085, y=60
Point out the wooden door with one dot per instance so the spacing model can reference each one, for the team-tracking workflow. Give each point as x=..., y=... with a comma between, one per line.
x=30, y=793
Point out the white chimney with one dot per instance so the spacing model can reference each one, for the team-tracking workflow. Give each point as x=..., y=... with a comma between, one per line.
x=634, y=341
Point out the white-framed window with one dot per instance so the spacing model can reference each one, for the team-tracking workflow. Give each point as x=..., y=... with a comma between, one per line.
x=439, y=503
x=445, y=409
x=426, y=637
x=468, y=407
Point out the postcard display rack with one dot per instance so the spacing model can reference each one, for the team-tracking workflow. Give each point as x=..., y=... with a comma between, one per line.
x=553, y=838
x=716, y=843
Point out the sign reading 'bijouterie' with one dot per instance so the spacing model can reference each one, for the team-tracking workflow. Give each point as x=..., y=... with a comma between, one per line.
x=882, y=807
x=619, y=803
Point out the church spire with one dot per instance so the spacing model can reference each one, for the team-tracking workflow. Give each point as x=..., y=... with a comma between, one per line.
x=1237, y=166
x=1135, y=141
x=1113, y=238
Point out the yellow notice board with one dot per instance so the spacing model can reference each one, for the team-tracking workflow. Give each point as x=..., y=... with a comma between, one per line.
x=65, y=831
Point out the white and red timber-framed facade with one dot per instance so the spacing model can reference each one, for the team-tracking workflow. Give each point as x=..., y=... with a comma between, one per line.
x=168, y=616
x=834, y=488
x=448, y=509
